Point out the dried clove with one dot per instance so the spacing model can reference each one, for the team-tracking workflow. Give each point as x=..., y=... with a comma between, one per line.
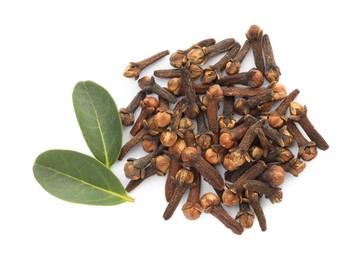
x=272, y=71
x=192, y=157
x=200, y=55
x=227, y=120
x=204, y=136
x=299, y=114
x=214, y=96
x=192, y=209
x=211, y=204
x=245, y=215
x=274, y=175
x=179, y=58
x=192, y=108
x=134, y=68
x=233, y=66
x=135, y=168
x=149, y=106
x=149, y=85
x=252, y=78
x=254, y=35
x=174, y=153
x=182, y=181
x=273, y=194
x=277, y=118
x=127, y=114
x=306, y=150
x=212, y=73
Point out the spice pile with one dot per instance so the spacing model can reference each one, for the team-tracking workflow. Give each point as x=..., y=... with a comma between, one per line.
x=250, y=134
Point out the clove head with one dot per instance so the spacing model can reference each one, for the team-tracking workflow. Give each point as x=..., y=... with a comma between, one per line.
x=162, y=163
x=230, y=198
x=127, y=118
x=178, y=147
x=232, y=67
x=132, y=172
x=174, y=86
x=308, y=152
x=274, y=175
x=254, y=33
x=226, y=140
x=246, y=219
x=212, y=156
x=162, y=119
x=204, y=140
x=208, y=201
x=297, y=111
x=189, y=154
x=168, y=138
x=178, y=59
x=256, y=78
x=132, y=70
x=184, y=177
x=276, y=120
x=278, y=91
x=192, y=211
x=196, y=56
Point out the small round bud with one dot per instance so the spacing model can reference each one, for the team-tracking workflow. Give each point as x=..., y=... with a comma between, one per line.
x=131, y=172
x=185, y=124
x=308, y=152
x=232, y=67
x=246, y=219
x=196, y=56
x=185, y=176
x=226, y=140
x=192, y=211
x=256, y=79
x=178, y=59
x=149, y=102
x=230, y=198
x=162, y=119
x=174, y=86
x=204, y=141
x=226, y=122
x=189, y=154
x=212, y=156
x=127, y=118
x=162, y=163
x=195, y=70
x=132, y=70
x=209, y=75
x=296, y=110
x=256, y=152
x=278, y=91
x=148, y=144
x=145, y=82
x=275, y=120
x=209, y=200
x=254, y=32
x=215, y=91
x=274, y=175
x=285, y=155
x=178, y=147
x=240, y=106
x=168, y=138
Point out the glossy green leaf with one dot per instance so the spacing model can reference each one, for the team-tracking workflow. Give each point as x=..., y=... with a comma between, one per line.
x=99, y=121
x=78, y=178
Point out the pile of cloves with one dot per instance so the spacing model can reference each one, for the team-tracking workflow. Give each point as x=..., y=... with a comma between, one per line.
x=186, y=131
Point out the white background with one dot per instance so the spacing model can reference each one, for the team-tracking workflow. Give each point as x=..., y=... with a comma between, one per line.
x=46, y=47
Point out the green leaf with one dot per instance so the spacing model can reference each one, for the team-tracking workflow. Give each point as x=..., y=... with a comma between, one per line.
x=99, y=121
x=78, y=178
